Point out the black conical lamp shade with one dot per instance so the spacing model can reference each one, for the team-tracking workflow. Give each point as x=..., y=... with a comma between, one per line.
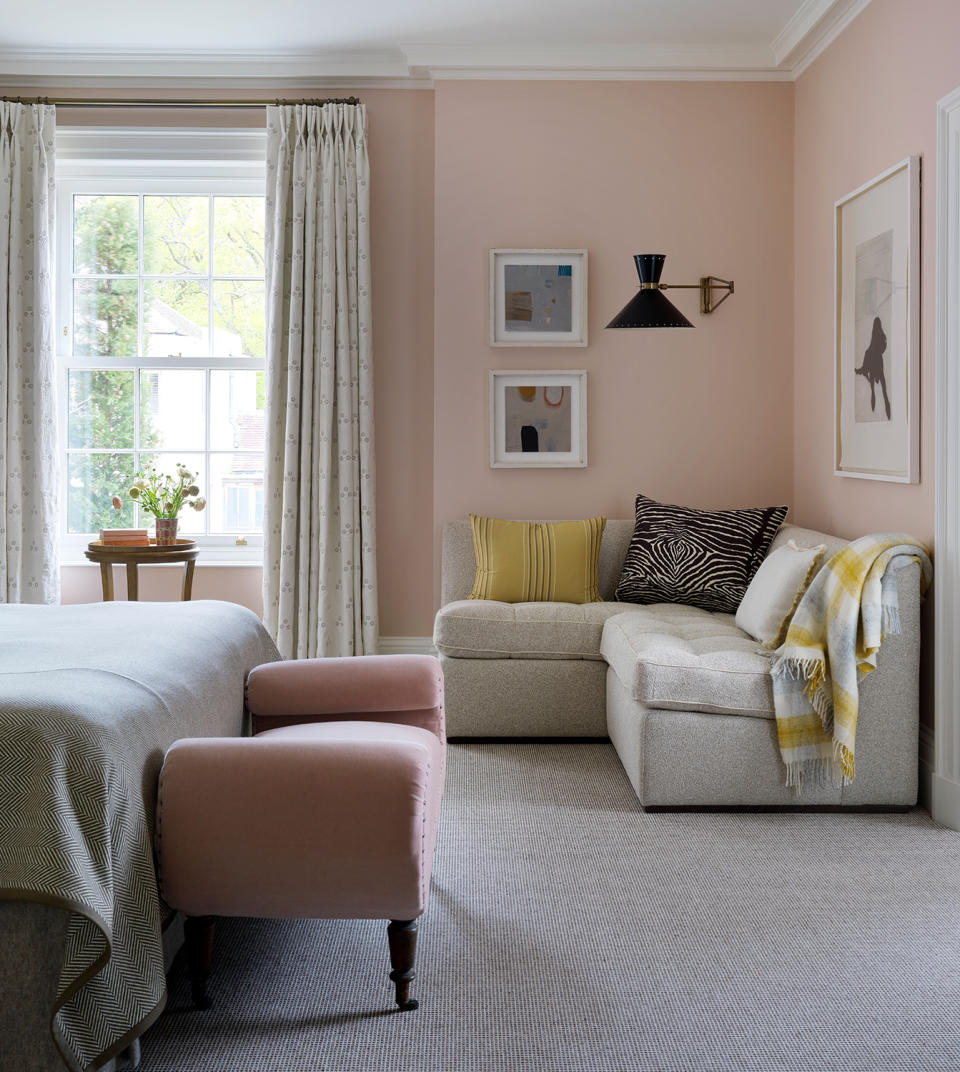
x=649, y=307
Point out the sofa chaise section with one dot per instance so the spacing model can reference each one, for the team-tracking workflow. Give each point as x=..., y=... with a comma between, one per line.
x=702, y=732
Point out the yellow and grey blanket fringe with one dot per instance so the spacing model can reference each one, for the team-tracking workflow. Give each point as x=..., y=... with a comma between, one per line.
x=832, y=642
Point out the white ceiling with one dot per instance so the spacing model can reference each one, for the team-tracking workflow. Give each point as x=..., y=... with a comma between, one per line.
x=308, y=24
x=369, y=39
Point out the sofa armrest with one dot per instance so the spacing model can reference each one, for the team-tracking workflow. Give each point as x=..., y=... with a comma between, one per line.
x=378, y=688
x=888, y=720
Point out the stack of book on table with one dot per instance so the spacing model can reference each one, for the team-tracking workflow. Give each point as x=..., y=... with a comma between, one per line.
x=124, y=538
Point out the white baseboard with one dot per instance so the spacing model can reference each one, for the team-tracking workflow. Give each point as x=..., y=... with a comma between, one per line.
x=945, y=801
x=406, y=645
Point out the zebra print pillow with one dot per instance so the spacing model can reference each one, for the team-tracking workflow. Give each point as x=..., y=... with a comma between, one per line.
x=704, y=558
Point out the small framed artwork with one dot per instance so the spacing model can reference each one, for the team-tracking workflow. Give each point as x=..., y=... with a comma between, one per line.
x=538, y=297
x=877, y=365
x=538, y=419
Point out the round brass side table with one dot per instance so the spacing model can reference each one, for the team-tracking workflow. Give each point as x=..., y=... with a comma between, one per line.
x=108, y=555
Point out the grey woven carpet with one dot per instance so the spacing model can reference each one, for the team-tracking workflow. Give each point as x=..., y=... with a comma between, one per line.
x=568, y=930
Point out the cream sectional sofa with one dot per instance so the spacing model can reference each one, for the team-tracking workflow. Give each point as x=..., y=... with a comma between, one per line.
x=684, y=695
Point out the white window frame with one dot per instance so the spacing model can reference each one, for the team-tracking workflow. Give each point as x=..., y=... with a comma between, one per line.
x=161, y=161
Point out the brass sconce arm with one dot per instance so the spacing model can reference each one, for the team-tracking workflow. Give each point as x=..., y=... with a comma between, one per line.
x=707, y=285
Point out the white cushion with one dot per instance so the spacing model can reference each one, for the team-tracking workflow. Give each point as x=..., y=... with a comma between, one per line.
x=686, y=659
x=489, y=629
x=776, y=589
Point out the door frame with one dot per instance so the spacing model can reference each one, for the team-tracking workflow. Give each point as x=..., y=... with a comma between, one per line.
x=945, y=782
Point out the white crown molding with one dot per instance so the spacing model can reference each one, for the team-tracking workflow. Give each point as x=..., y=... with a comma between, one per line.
x=811, y=31
x=615, y=74
x=599, y=62
x=192, y=67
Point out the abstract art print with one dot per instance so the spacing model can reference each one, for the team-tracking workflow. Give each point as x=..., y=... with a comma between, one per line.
x=538, y=297
x=538, y=419
x=877, y=424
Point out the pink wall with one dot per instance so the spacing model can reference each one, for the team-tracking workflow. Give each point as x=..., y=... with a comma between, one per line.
x=700, y=171
x=868, y=102
x=401, y=227
x=734, y=179
x=235, y=584
x=401, y=126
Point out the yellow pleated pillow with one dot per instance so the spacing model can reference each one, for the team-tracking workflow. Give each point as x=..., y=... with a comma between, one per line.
x=537, y=561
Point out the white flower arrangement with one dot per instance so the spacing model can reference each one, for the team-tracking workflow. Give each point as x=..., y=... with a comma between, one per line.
x=163, y=495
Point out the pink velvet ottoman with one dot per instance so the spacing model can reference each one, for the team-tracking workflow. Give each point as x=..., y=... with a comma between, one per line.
x=329, y=811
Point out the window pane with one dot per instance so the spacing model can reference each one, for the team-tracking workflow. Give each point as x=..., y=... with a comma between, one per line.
x=105, y=317
x=236, y=493
x=236, y=410
x=238, y=229
x=176, y=235
x=175, y=319
x=191, y=522
x=106, y=231
x=197, y=291
x=92, y=481
x=238, y=318
x=171, y=409
x=100, y=408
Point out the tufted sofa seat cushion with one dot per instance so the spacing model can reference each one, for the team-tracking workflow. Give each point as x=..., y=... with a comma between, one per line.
x=686, y=659
x=488, y=629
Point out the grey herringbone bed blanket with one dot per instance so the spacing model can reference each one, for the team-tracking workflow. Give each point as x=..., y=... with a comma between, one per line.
x=90, y=698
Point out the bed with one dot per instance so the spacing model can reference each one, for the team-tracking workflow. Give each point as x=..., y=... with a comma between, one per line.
x=91, y=696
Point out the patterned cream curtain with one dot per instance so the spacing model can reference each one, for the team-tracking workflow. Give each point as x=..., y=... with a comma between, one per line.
x=29, y=568
x=319, y=569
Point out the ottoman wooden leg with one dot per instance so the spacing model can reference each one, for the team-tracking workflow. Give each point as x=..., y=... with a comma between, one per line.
x=402, y=935
x=198, y=931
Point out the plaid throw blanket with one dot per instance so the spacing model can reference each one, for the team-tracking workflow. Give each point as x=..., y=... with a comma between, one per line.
x=832, y=642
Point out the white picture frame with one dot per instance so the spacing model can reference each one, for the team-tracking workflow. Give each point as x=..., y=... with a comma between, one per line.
x=538, y=420
x=877, y=328
x=530, y=304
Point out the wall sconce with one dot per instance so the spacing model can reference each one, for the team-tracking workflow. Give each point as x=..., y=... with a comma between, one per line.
x=650, y=307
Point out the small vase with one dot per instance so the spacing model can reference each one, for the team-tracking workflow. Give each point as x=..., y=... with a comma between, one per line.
x=166, y=531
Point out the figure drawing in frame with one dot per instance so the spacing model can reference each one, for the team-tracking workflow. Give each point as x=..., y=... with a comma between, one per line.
x=874, y=300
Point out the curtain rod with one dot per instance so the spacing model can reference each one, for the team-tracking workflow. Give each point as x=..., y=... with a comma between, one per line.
x=147, y=102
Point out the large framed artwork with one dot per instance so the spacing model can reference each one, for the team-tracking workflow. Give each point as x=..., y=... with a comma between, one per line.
x=538, y=419
x=538, y=297
x=877, y=365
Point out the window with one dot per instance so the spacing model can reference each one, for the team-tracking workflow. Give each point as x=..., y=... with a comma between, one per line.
x=160, y=295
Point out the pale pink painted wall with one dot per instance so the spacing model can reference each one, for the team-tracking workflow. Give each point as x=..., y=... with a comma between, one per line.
x=235, y=584
x=700, y=171
x=865, y=104
x=401, y=128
